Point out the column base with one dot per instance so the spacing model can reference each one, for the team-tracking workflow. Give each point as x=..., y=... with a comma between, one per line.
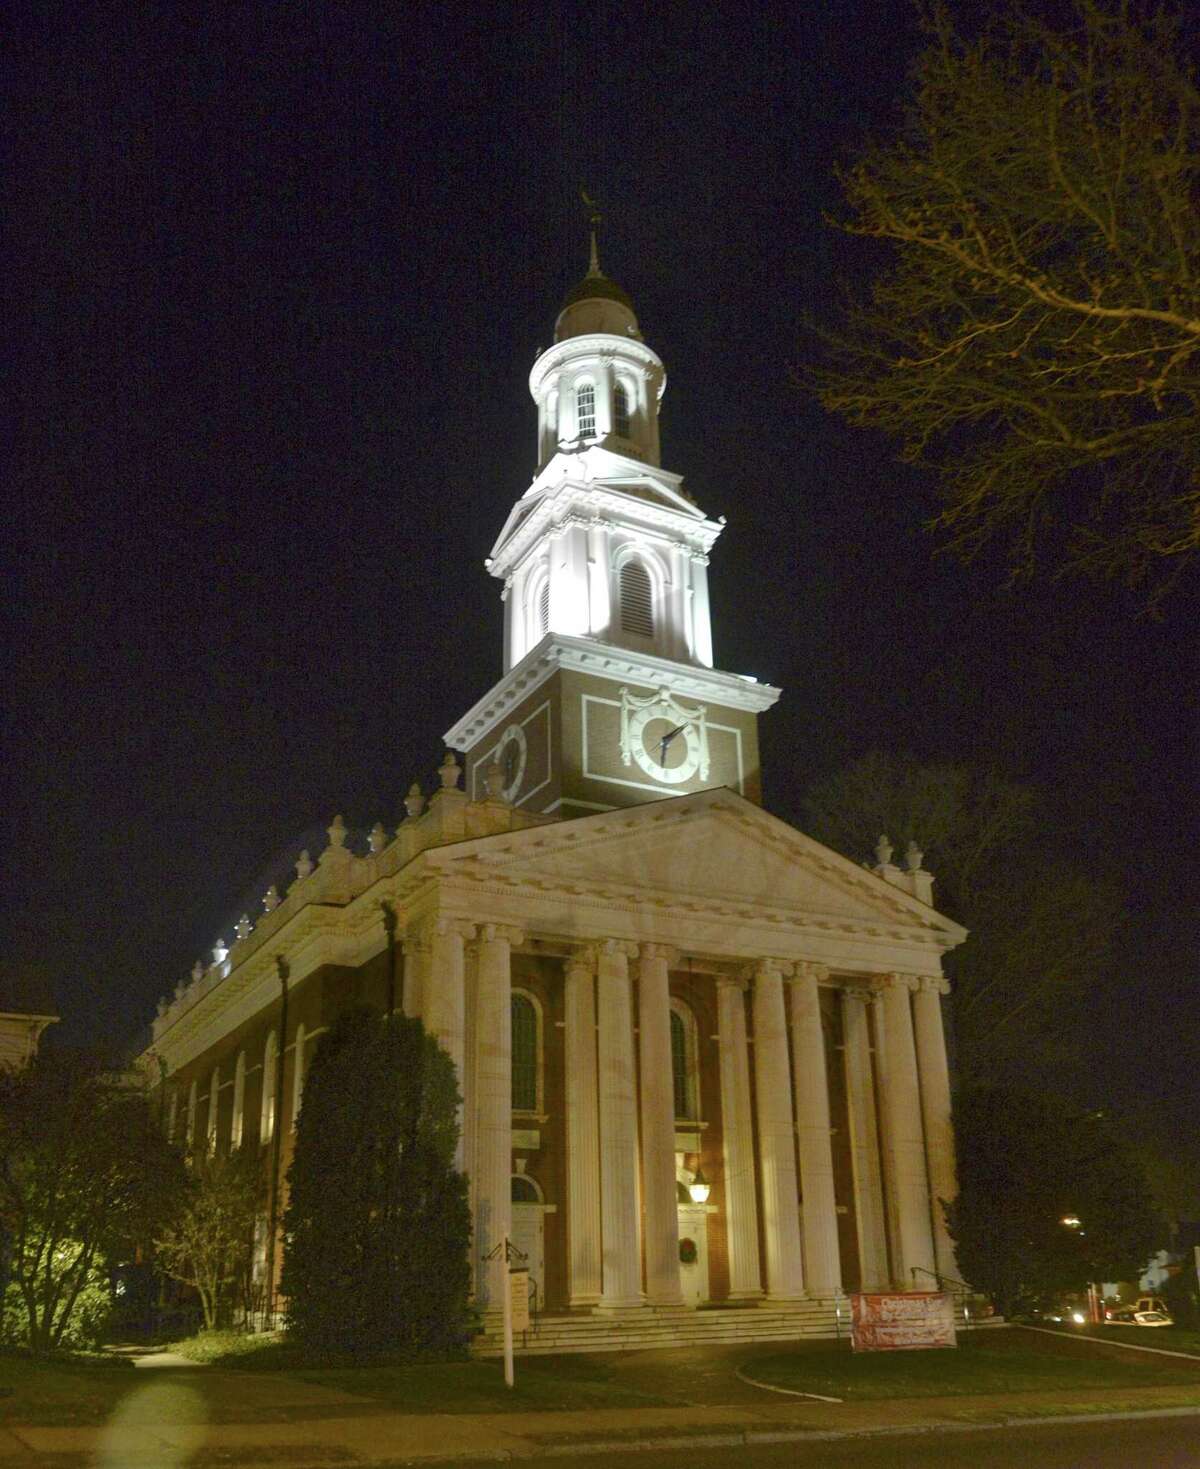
x=620, y=1308
x=742, y=1298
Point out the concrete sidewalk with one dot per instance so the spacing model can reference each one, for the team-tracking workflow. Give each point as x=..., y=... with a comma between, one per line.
x=164, y=1422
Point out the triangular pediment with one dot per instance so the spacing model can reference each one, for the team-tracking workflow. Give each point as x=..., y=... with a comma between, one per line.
x=713, y=849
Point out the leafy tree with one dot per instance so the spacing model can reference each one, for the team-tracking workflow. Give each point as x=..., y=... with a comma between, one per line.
x=1040, y=928
x=209, y=1243
x=1025, y=1165
x=377, y=1226
x=1032, y=332
x=85, y=1176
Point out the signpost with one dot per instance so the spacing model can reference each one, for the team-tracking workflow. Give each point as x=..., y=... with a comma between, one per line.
x=515, y=1298
x=911, y=1321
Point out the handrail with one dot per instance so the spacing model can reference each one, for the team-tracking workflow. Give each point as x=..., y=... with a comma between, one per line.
x=936, y=1275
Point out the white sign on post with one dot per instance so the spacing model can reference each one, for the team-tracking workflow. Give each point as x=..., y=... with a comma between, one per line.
x=518, y=1290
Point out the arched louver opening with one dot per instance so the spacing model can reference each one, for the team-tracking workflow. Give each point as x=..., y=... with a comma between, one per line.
x=543, y=610
x=637, y=600
x=621, y=410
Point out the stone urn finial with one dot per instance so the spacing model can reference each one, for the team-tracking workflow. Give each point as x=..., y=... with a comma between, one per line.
x=220, y=952
x=271, y=899
x=913, y=857
x=337, y=832
x=304, y=866
x=493, y=781
x=378, y=838
x=883, y=851
x=414, y=802
x=197, y=971
x=450, y=772
x=243, y=927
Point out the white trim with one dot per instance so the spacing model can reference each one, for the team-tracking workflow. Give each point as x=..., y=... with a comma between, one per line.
x=557, y=651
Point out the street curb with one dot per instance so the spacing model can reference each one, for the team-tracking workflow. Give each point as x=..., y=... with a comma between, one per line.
x=750, y=1437
x=1126, y=1346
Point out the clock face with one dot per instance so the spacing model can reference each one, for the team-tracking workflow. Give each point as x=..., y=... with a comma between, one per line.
x=665, y=749
x=511, y=755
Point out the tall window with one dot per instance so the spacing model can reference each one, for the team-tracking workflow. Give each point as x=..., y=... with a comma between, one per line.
x=297, y=1075
x=621, y=410
x=684, y=1080
x=543, y=609
x=237, y=1121
x=214, y=1105
x=270, y=1061
x=585, y=410
x=524, y=1054
x=637, y=600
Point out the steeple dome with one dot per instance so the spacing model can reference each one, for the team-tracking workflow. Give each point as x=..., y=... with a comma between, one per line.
x=596, y=304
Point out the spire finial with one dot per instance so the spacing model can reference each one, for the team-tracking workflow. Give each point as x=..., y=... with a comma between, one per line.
x=594, y=218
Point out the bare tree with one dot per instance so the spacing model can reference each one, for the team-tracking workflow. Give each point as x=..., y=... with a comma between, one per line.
x=209, y=1242
x=1033, y=332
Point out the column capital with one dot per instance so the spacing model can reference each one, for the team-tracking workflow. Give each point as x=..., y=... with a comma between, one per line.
x=862, y=996
x=896, y=981
x=938, y=983
x=458, y=926
x=660, y=951
x=810, y=969
x=490, y=932
x=612, y=947
x=584, y=957
x=768, y=967
x=732, y=982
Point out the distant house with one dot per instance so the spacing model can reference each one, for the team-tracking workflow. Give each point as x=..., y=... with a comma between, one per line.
x=26, y=1009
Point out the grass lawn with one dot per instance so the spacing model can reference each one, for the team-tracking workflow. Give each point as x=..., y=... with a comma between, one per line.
x=60, y=1392
x=1166, y=1338
x=992, y=1362
x=569, y=1383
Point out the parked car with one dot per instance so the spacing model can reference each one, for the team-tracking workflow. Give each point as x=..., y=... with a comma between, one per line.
x=1130, y=1316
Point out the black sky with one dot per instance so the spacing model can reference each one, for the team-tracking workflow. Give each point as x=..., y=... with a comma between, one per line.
x=276, y=278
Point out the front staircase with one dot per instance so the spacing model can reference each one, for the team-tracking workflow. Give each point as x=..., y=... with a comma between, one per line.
x=673, y=1326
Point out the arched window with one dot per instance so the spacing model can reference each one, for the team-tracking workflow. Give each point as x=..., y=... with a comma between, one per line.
x=525, y=1057
x=684, y=1078
x=637, y=600
x=297, y=1074
x=270, y=1061
x=621, y=410
x=524, y=1190
x=585, y=410
x=237, y=1121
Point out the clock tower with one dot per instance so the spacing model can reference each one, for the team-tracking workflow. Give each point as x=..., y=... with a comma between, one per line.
x=609, y=695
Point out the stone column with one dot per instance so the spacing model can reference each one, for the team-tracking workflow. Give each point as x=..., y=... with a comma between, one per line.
x=741, y=1192
x=618, y=1127
x=659, y=1198
x=416, y=972
x=822, y=1256
x=864, y=1141
x=935, y=1109
x=583, y=1132
x=493, y=1105
x=776, y=1136
x=904, y=1139
x=444, y=1000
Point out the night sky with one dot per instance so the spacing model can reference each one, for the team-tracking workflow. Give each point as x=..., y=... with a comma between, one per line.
x=276, y=278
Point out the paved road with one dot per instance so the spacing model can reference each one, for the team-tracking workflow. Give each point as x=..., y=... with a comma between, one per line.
x=1159, y=1443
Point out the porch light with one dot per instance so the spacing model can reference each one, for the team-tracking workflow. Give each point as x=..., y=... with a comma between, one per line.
x=699, y=1188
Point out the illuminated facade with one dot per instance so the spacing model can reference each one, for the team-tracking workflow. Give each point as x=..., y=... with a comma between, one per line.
x=701, y=1055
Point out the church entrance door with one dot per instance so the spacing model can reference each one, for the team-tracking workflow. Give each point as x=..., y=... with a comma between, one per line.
x=693, y=1274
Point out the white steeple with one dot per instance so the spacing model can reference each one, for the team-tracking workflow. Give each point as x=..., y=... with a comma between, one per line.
x=604, y=544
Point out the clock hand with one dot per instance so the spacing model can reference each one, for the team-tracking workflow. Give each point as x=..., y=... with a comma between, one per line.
x=666, y=740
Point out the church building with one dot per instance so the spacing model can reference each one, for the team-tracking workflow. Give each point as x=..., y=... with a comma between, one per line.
x=701, y=1056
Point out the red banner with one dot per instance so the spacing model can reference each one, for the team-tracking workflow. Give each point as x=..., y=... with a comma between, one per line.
x=913, y=1321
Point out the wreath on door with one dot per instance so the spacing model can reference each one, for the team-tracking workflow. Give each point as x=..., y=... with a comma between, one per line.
x=687, y=1251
